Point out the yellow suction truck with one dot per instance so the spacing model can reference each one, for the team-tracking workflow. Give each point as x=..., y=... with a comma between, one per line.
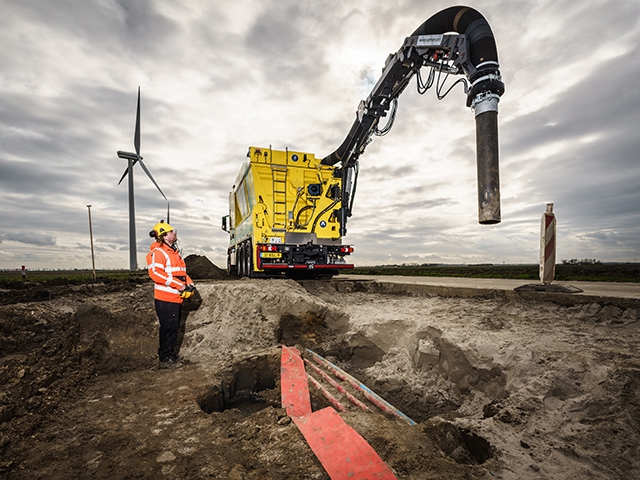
x=283, y=217
x=288, y=210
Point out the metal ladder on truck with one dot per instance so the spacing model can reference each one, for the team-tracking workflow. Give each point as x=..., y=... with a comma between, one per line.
x=279, y=178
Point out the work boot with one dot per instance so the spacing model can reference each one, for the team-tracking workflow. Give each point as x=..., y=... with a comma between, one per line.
x=180, y=359
x=169, y=362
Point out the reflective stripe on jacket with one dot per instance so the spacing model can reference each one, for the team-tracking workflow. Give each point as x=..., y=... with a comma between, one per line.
x=169, y=272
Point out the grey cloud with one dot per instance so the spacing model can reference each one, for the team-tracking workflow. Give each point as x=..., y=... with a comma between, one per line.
x=60, y=130
x=401, y=209
x=602, y=104
x=147, y=30
x=378, y=173
x=28, y=238
x=287, y=39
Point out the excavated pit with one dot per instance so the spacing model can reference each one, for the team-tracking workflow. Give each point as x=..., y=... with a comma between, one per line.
x=460, y=444
x=247, y=386
x=251, y=383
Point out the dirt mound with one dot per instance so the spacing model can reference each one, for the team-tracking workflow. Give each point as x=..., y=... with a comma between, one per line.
x=236, y=318
x=200, y=267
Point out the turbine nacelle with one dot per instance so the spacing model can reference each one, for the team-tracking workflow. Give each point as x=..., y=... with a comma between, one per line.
x=129, y=155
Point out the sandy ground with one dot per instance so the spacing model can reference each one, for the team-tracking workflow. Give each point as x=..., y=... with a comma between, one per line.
x=499, y=386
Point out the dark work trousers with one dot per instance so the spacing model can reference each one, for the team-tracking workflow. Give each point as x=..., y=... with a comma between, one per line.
x=169, y=316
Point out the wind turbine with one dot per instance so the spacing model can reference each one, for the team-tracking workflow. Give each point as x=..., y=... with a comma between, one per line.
x=132, y=159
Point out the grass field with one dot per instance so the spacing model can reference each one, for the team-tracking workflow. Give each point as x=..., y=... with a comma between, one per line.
x=70, y=276
x=608, y=272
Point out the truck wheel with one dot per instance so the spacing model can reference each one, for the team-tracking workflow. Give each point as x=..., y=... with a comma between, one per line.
x=233, y=270
x=249, y=260
x=240, y=260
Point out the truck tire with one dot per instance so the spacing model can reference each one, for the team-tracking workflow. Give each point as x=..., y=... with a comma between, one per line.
x=232, y=270
x=240, y=260
x=248, y=259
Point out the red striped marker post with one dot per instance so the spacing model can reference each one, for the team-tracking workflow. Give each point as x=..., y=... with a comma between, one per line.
x=548, y=246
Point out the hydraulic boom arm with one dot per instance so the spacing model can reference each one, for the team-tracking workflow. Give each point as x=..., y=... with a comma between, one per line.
x=470, y=51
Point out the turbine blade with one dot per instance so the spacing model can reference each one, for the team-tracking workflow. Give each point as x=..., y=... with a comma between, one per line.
x=136, y=138
x=168, y=221
x=127, y=170
x=146, y=170
x=123, y=175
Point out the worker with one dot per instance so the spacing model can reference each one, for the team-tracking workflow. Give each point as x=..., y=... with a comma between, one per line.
x=172, y=285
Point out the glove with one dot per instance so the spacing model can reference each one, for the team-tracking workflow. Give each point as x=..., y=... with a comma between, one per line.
x=188, y=292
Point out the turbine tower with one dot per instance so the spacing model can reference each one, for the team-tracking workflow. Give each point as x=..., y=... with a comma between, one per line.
x=132, y=159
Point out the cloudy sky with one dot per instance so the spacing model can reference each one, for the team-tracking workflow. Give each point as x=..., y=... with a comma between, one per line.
x=217, y=77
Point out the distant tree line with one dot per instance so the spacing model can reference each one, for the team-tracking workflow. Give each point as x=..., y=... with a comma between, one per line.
x=584, y=261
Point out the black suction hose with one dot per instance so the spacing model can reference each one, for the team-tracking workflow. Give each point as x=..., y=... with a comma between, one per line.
x=486, y=89
x=484, y=94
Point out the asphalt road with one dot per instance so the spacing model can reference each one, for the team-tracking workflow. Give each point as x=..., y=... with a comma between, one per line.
x=600, y=289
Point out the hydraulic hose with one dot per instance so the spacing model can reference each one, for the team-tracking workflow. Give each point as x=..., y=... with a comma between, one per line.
x=485, y=92
x=483, y=97
x=469, y=22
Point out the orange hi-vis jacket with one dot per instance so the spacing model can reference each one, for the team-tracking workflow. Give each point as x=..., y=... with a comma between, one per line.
x=169, y=272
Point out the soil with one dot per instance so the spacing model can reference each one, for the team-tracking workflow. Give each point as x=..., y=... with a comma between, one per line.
x=498, y=387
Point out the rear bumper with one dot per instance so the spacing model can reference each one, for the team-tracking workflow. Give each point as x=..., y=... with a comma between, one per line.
x=287, y=257
x=306, y=266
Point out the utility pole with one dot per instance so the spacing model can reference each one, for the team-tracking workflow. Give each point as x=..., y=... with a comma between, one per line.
x=93, y=261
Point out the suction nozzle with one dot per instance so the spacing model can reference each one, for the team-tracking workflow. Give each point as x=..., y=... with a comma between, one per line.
x=485, y=106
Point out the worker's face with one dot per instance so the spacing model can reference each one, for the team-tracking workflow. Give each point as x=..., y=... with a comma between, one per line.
x=171, y=237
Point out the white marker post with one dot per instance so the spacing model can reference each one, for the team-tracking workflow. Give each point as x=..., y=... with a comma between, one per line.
x=548, y=246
